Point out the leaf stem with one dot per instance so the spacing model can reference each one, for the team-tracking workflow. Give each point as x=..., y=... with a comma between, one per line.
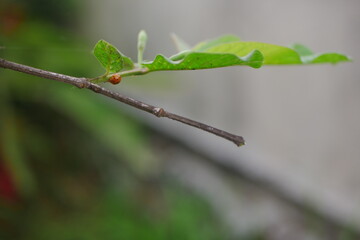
x=99, y=79
x=105, y=77
x=86, y=83
x=135, y=71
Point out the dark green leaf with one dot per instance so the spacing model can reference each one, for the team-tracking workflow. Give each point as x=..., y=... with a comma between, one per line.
x=201, y=60
x=127, y=63
x=110, y=58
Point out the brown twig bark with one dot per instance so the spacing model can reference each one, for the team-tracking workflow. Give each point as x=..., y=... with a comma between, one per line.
x=85, y=83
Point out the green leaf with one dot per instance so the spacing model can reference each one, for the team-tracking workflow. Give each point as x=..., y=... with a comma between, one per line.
x=273, y=54
x=277, y=55
x=110, y=58
x=307, y=56
x=327, y=58
x=202, y=46
x=301, y=50
x=180, y=44
x=127, y=63
x=202, y=60
x=223, y=51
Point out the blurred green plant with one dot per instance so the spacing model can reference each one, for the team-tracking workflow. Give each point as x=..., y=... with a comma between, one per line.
x=73, y=165
x=170, y=213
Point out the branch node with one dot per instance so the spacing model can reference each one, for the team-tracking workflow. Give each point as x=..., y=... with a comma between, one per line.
x=159, y=112
x=84, y=83
x=94, y=88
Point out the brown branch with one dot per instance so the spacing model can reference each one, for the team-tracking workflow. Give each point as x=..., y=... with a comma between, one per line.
x=84, y=83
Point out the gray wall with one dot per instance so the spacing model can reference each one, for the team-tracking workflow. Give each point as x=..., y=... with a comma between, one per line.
x=301, y=123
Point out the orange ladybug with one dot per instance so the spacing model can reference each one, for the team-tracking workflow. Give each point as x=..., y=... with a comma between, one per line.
x=115, y=79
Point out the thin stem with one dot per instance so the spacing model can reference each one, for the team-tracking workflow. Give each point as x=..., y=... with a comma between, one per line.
x=85, y=83
x=106, y=76
x=99, y=79
x=132, y=72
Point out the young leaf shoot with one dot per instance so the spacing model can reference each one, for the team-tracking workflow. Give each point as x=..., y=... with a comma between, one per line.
x=142, y=39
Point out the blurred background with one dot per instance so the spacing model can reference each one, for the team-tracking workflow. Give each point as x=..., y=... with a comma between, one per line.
x=74, y=165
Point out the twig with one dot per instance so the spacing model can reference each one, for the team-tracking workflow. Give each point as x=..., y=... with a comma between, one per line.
x=84, y=83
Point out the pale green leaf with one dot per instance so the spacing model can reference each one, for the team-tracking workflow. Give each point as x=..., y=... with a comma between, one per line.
x=273, y=54
x=301, y=50
x=307, y=56
x=327, y=58
x=180, y=44
x=202, y=46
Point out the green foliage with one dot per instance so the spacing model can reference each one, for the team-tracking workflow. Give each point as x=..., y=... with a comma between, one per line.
x=203, y=60
x=80, y=166
x=203, y=46
x=272, y=54
x=180, y=44
x=10, y=137
x=307, y=56
x=122, y=215
x=224, y=51
x=110, y=58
